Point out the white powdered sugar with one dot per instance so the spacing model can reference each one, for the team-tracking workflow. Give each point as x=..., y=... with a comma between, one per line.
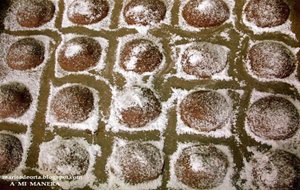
x=87, y=179
x=290, y=144
x=29, y=78
x=74, y=50
x=197, y=56
x=203, y=7
x=138, y=9
x=129, y=97
x=225, y=131
x=291, y=79
x=131, y=76
x=25, y=139
x=272, y=170
x=84, y=9
x=284, y=28
x=174, y=182
x=91, y=123
x=115, y=183
x=10, y=21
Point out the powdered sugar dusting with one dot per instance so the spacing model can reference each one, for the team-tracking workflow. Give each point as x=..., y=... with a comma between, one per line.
x=30, y=78
x=206, y=6
x=10, y=21
x=116, y=183
x=174, y=183
x=182, y=128
x=85, y=8
x=75, y=50
x=89, y=124
x=289, y=144
x=86, y=179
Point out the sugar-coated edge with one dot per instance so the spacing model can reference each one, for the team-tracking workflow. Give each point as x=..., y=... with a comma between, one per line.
x=103, y=24
x=10, y=21
x=91, y=123
x=185, y=26
x=88, y=178
x=291, y=144
x=175, y=184
x=29, y=78
x=224, y=132
x=59, y=72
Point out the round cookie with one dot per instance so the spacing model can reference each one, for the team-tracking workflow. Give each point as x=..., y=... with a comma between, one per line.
x=201, y=166
x=35, y=13
x=136, y=106
x=204, y=111
x=25, y=54
x=271, y=60
x=79, y=54
x=205, y=13
x=137, y=162
x=204, y=60
x=72, y=104
x=86, y=12
x=273, y=118
x=11, y=152
x=140, y=56
x=276, y=170
x=144, y=12
x=267, y=13
x=15, y=100
x=68, y=157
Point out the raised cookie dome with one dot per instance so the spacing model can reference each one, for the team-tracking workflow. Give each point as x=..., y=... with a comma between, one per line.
x=201, y=166
x=87, y=11
x=205, y=13
x=267, y=13
x=204, y=59
x=205, y=111
x=137, y=162
x=136, y=106
x=273, y=118
x=64, y=157
x=35, y=13
x=72, y=104
x=15, y=100
x=25, y=54
x=140, y=56
x=271, y=60
x=79, y=54
x=276, y=170
x=144, y=12
x=11, y=152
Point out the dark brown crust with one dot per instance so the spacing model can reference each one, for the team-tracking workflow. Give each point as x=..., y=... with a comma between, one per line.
x=72, y=104
x=11, y=152
x=261, y=56
x=137, y=116
x=204, y=110
x=216, y=165
x=87, y=58
x=206, y=18
x=100, y=10
x=35, y=13
x=147, y=61
x=29, y=51
x=263, y=114
x=15, y=100
x=257, y=12
x=156, y=6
